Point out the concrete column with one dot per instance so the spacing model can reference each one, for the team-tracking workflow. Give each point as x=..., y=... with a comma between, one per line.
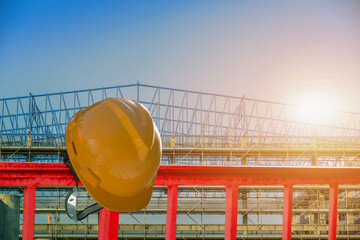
x=9, y=217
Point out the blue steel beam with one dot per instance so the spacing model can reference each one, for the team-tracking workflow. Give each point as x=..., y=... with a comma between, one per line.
x=168, y=110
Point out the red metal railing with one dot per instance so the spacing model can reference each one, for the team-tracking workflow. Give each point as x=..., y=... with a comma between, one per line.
x=32, y=175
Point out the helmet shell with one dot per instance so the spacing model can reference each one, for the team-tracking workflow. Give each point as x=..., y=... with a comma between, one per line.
x=115, y=149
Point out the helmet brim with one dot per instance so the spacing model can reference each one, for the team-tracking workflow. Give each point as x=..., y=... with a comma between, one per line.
x=119, y=203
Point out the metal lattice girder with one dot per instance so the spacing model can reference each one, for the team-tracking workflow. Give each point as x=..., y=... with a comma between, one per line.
x=175, y=112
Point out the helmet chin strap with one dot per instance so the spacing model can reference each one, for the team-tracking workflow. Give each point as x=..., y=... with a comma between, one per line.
x=70, y=201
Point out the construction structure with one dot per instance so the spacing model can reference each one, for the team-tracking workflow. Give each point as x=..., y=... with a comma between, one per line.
x=197, y=129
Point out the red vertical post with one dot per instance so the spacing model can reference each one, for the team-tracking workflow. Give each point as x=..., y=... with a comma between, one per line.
x=231, y=212
x=171, y=212
x=108, y=225
x=29, y=213
x=333, y=202
x=287, y=212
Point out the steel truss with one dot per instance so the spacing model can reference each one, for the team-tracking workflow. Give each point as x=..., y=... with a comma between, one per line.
x=191, y=117
x=191, y=123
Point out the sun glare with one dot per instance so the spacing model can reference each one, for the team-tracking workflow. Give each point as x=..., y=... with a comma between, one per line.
x=313, y=109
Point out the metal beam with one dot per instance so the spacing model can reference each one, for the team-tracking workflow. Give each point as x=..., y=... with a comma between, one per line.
x=193, y=236
x=220, y=210
x=58, y=174
x=206, y=151
x=195, y=227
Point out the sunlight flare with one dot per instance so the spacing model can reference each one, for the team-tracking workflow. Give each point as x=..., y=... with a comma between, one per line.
x=316, y=108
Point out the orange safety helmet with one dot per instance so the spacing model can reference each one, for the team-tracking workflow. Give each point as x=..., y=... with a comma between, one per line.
x=115, y=150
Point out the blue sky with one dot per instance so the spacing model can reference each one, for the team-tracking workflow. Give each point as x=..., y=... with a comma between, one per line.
x=272, y=50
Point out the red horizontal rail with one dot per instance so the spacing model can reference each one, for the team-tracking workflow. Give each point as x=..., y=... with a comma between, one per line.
x=32, y=175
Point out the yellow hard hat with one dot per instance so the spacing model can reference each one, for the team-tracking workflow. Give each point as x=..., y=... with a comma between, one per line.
x=115, y=150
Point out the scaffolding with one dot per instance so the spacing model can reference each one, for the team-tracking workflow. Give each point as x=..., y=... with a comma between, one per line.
x=197, y=129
